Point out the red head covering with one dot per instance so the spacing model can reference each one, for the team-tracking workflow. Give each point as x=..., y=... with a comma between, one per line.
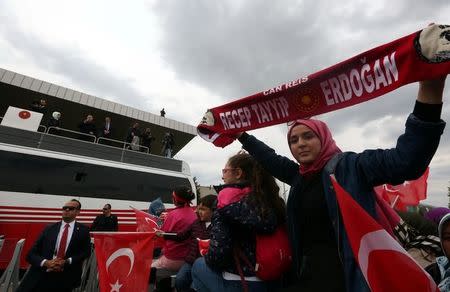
x=328, y=145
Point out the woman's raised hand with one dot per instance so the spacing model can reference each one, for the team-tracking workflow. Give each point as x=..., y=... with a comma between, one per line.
x=431, y=91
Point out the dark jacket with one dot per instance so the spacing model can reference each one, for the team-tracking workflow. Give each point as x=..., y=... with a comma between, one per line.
x=235, y=226
x=357, y=174
x=103, y=129
x=131, y=133
x=54, y=122
x=103, y=223
x=199, y=230
x=87, y=128
x=147, y=140
x=79, y=249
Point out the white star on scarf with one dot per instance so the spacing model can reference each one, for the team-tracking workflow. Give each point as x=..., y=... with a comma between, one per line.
x=115, y=287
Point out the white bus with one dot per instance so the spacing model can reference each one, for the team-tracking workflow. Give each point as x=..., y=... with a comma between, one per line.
x=35, y=182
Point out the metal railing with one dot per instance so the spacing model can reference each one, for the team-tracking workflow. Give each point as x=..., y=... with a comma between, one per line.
x=82, y=136
x=123, y=145
x=55, y=139
x=9, y=281
x=129, y=147
x=110, y=142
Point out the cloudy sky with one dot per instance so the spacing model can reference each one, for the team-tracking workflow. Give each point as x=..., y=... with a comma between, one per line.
x=187, y=56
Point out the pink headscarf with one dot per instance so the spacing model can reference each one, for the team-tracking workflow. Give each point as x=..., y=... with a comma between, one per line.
x=328, y=150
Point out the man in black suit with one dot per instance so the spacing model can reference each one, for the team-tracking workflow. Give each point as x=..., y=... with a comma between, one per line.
x=105, y=221
x=105, y=132
x=106, y=129
x=87, y=126
x=57, y=256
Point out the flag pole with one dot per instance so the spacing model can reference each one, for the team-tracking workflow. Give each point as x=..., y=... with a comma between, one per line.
x=395, y=201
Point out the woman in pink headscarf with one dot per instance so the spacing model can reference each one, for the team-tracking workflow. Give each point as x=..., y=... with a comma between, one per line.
x=322, y=256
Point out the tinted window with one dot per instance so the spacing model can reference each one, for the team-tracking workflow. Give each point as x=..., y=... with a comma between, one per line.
x=36, y=174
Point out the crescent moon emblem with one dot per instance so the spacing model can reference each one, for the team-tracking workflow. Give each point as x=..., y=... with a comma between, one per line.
x=128, y=252
x=389, y=189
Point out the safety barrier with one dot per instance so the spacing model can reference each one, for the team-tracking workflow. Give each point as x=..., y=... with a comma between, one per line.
x=89, y=275
x=57, y=131
x=10, y=278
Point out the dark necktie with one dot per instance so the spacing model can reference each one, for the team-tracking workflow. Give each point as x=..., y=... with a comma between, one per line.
x=63, y=243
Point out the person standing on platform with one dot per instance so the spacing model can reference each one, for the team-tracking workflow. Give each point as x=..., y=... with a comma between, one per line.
x=87, y=126
x=106, y=129
x=147, y=140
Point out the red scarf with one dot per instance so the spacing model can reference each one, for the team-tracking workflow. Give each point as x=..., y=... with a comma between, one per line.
x=328, y=145
x=419, y=56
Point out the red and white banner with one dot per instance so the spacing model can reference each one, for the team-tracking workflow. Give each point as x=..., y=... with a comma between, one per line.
x=419, y=56
x=385, y=265
x=23, y=119
x=145, y=221
x=410, y=193
x=123, y=260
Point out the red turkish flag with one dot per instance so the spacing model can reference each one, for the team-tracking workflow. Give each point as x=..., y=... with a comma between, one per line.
x=385, y=265
x=410, y=193
x=145, y=221
x=123, y=260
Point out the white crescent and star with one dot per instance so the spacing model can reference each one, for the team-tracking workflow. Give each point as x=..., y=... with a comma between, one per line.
x=128, y=252
x=115, y=287
x=385, y=186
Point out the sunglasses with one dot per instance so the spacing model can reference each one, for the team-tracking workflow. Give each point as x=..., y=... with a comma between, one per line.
x=68, y=208
x=105, y=209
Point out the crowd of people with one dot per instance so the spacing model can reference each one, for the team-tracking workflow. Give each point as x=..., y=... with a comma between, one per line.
x=248, y=205
x=136, y=139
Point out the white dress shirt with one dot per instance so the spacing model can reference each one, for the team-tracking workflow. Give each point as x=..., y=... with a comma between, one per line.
x=58, y=239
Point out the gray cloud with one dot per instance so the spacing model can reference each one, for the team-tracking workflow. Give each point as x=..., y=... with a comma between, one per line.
x=237, y=48
x=240, y=49
x=69, y=62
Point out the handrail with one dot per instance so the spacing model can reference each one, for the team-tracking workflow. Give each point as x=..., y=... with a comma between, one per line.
x=73, y=132
x=43, y=127
x=146, y=150
x=64, y=137
x=140, y=146
x=124, y=144
x=109, y=139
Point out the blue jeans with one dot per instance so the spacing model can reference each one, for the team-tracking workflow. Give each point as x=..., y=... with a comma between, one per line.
x=204, y=280
x=184, y=279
